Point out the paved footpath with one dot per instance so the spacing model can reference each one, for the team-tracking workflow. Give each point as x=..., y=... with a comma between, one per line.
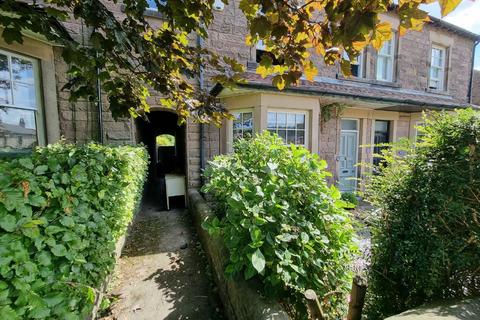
x=162, y=273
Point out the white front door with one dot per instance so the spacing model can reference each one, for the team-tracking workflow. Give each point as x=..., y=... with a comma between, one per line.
x=347, y=156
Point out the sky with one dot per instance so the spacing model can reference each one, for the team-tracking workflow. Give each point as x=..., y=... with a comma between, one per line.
x=466, y=16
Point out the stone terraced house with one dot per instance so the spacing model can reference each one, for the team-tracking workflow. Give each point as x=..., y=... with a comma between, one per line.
x=382, y=102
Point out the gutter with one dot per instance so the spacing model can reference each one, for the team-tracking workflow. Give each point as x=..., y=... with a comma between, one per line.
x=470, y=86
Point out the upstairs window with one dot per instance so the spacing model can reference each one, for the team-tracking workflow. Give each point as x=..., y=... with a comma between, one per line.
x=242, y=125
x=437, y=68
x=356, y=66
x=261, y=49
x=19, y=102
x=152, y=5
x=385, y=61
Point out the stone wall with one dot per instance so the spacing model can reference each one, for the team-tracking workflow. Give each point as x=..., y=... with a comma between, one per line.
x=476, y=88
x=240, y=298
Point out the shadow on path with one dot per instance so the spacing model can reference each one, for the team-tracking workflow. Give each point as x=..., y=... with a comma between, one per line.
x=162, y=273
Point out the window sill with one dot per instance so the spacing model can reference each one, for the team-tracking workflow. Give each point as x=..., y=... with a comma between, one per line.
x=149, y=13
x=439, y=92
x=370, y=81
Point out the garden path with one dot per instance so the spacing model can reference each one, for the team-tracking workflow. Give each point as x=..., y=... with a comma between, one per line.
x=162, y=273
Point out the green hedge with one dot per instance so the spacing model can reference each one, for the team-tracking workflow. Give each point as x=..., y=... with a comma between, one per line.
x=282, y=223
x=61, y=212
x=426, y=240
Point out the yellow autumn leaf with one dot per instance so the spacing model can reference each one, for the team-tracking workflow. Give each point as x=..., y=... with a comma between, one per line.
x=248, y=40
x=359, y=45
x=345, y=65
x=263, y=71
x=383, y=32
x=448, y=6
x=279, y=82
x=310, y=70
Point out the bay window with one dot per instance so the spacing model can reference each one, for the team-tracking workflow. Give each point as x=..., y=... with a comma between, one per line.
x=242, y=124
x=290, y=126
x=20, y=112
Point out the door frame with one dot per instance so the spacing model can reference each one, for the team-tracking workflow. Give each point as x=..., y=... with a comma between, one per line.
x=356, y=149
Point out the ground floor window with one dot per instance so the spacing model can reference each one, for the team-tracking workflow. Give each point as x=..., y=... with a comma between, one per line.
x=381, y=137
x=20, y=110
x=290, y=126
x=242, y=125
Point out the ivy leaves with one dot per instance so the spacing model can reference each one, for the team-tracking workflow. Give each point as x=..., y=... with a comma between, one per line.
x=57, y=236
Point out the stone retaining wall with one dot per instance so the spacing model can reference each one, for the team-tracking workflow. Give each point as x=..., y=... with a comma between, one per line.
x=240, y=299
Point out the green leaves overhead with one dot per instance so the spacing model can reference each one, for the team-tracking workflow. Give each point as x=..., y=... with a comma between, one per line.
x=281, y=222
x=57, y=236
x=131, y=56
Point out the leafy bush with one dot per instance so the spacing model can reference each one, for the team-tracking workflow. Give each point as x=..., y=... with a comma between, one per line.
x=350, y=197
x=426, y=242
x=61, y=213
x=282, y=222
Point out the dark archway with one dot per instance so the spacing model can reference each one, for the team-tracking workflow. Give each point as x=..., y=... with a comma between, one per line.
x=165, y=141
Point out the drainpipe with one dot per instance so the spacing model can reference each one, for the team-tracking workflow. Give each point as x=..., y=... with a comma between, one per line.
x=99, y=106
x=201, y=85
x=98, y=87
x=470, y=87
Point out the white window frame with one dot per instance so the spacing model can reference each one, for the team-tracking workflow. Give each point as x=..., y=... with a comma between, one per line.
x=387, y=57
x=358, y=62
x=441, y=68
x=242, y=111
x=293, y=111
x=229, y=127
x=38, y=109
x=417, y=132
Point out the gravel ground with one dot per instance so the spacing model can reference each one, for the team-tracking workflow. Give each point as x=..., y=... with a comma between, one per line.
x=162, y=273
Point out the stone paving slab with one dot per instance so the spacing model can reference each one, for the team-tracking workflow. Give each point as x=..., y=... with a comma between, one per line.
x=468, y=309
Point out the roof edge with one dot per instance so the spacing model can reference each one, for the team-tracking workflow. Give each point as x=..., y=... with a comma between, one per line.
x=218, y=88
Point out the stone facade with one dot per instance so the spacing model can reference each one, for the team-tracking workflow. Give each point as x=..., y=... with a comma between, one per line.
x=79, y=122
x=476, y=88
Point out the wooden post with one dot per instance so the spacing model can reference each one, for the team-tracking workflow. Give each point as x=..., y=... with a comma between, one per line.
x=314, y=307
x=357, y=298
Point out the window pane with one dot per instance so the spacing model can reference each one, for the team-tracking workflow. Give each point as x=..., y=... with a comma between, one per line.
x=4, y=71
x=349, y=124
x=291, y=121
x=282, y=134
x=381, y=68
x=17, y=129
x=272, y=120
x=290, y=136
x=300, y=137
x=381, y=126
x=300, y=119
x=22, y=70
x=247, y=120
x=5, y=92
x=248, y=133
x=24, y=95
x=282, y=120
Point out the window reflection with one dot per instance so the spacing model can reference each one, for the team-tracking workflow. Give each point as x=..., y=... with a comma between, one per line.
x=17, y=129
